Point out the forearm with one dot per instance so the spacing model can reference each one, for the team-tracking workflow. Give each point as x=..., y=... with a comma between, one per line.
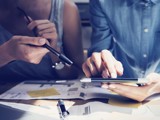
x=101, y=37
x=72, y=42
x=4, y=58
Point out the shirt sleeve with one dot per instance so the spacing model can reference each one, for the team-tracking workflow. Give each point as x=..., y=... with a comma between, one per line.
x=101, y=34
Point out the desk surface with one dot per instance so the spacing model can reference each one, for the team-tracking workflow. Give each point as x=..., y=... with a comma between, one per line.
x=70, y=103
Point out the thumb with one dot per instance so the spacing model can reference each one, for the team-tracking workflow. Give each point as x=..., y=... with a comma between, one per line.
x=36, y=41
x=119, y=68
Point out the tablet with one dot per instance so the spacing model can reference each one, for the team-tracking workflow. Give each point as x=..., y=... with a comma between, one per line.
x=115, y=80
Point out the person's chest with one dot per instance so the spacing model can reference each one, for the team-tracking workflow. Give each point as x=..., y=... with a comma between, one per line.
x=16, y=24
x=134, y=21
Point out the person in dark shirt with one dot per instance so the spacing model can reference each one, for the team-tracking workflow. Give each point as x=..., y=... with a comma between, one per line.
x=57, y=24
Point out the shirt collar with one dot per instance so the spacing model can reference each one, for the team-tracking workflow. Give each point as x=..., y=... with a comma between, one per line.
x=130, y=2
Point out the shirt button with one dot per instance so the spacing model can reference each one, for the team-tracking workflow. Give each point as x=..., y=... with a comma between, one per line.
x=146, y=30
x=146, y=4
x=142, y=72
x=145, y=55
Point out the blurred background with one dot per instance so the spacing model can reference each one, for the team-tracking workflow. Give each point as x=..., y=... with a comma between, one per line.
x=83, y=6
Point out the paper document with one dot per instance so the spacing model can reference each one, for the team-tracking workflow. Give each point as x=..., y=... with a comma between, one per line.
x=88, y=111
x=57, y=90
x=43, y=93
x=17, y=111
x=102, y=111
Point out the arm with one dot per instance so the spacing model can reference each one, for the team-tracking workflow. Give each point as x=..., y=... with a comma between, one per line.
x=137, y=93
x=101, y=36
x=22, y=48
x=4, y=59
x=101, y=62
x=72, y=41
x=72, y=44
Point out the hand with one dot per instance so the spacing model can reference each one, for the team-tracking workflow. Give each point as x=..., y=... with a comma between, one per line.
x=135, y=92
x=25, y=48
x=45, y=29
x=102, y=63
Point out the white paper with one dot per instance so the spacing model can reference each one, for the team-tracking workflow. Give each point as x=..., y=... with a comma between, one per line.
x=26, y=112
x=91, y=111
x=67, y=90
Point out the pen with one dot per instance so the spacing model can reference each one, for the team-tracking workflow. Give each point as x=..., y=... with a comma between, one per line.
x=62, y=110
x=60, y=55
x=115, y=80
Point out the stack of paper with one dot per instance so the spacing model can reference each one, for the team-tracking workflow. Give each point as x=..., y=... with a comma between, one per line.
x=63, y=90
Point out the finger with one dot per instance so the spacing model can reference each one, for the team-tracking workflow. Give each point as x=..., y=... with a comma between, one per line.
x=86, y=70
x=52, y=36
x=44, y=26
x=49, y=30
x=96, y=58
x=36, y=23
x=92, y=67
x=154, y=89
x=109, y=63
x=37, y=41
x=128, y=91
x=105, y=74
x=31, y=54
x=104, y=85
x=41, y=52
x=153, y=78
x=119, y=68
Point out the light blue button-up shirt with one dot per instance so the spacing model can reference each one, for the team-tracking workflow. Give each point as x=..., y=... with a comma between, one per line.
x=130, y=29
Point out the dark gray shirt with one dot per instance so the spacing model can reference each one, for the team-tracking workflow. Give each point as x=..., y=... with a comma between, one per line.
x=23, y=70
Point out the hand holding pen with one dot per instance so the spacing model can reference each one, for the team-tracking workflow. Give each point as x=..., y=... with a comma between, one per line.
x=21, y=48
x=46, y=29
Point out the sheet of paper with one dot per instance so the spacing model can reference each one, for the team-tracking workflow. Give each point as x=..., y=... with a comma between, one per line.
x=17, y=111
x=103, y=111
x=43, y=93
x=62, y=90
x=93, y=107
x=124, y=103
x=117, y=116
x=111, y=116
x=88, y=111
x=155, y=109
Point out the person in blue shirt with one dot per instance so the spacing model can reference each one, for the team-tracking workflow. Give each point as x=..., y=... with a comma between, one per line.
x=125, y=43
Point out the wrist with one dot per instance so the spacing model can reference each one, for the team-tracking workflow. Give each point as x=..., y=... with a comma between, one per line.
x=5, y=57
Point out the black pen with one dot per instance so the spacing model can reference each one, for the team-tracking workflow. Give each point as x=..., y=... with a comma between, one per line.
x=60, y=55
x=62, y=109
x=115, y=80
